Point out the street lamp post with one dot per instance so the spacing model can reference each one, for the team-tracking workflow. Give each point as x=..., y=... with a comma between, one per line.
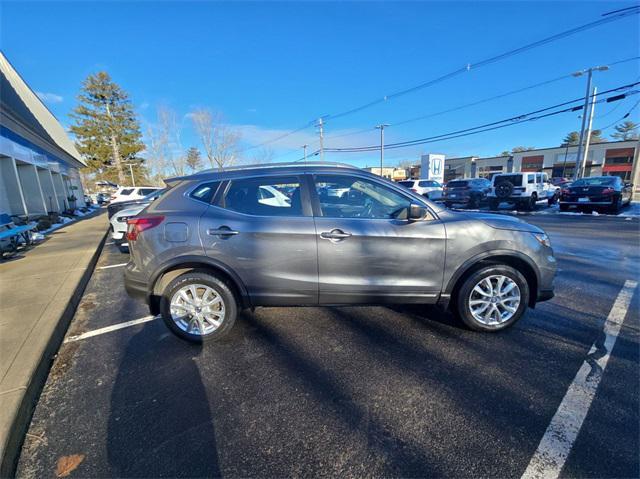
x=581, y=157
x=381, y=127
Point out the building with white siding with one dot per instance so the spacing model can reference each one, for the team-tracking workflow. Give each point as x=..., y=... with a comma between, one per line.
x=38, y=162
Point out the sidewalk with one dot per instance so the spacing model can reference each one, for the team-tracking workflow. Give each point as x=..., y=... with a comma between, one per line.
x=39, y=291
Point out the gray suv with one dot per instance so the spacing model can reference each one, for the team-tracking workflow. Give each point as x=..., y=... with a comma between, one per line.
x=325, y=234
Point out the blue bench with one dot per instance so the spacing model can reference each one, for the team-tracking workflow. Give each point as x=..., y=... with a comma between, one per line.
x=10, y=234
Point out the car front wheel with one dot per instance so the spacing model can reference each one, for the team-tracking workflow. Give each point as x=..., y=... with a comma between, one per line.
x=492, y=298
x=198, y=307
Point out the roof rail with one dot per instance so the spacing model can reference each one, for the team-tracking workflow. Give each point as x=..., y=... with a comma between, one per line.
x=264, y=166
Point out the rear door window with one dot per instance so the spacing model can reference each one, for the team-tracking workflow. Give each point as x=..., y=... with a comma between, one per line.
x=266, y=196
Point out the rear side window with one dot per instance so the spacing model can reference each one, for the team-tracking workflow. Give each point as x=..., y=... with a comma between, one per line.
x=270, y=196
x=126, y=191
x=205, y=192
x=146, y=191
x=428, y=184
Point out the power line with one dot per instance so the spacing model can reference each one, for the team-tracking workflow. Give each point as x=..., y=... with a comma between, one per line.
x=607, y=18
x=481, y=128
x=475, y=103
x=626, y=115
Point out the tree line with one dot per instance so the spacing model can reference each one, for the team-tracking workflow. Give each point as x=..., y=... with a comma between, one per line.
x=109, y=136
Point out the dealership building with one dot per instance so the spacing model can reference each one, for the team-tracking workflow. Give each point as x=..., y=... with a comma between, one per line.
x=619, y=158
x=38, y=162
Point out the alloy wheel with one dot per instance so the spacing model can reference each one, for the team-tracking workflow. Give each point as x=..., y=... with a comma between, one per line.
x=494, y=300
x=197, y=309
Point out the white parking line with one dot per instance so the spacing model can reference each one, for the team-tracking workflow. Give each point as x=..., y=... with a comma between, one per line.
x=112, y=266
x=110, y=243
x=108, y=329
x=556, y=444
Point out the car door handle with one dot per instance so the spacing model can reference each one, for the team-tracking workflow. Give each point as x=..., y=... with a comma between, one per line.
x=222, y=231
x=334, y=234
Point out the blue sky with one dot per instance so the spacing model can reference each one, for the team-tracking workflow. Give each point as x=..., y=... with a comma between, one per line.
x=271, y=67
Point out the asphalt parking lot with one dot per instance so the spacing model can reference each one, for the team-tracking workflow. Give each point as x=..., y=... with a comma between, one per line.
x=351, y=391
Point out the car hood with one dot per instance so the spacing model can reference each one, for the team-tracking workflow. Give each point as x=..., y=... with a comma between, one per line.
x=504, y=222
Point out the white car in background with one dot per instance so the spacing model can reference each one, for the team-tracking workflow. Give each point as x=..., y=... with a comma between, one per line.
x=119, y=226
x=273, y=197
x=132, y=193
x=428, y=188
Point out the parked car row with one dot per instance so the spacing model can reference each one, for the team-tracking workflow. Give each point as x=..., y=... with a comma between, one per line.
x=524, y=190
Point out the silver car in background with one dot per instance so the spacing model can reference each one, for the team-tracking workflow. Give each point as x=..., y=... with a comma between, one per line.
x=211, y=245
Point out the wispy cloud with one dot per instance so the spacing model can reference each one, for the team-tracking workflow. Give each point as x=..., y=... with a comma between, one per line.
x=50, y=98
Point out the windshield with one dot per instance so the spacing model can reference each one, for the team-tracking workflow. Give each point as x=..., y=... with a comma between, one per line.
x=598, y=181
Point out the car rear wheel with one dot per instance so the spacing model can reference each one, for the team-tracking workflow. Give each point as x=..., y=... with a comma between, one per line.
x=494, y=204
x=198, y=307
x=616, y=206
x=492, y=298
x=564, y=207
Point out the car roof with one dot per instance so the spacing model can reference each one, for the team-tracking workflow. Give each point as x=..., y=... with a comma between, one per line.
x=263, y=169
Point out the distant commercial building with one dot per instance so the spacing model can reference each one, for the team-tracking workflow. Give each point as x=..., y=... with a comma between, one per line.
x=38, y=162
x=395, y=174
x=618, y=158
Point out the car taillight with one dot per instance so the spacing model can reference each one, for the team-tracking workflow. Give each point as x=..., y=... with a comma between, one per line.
x=608, y=191
x=565, y=191
x=137, y=225
x=414, y=190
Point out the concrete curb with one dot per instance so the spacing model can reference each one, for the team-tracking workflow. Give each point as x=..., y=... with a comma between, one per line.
x=12, y=444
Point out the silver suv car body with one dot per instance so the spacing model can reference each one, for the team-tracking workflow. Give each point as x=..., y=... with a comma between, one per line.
x=212, y=245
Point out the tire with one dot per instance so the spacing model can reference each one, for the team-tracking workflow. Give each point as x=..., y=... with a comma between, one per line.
x=202, y=279
x=530, y=203
x=564, y=207
x=448, y=204
x=494, y=205
x=616, y=206
x=552, y=201
x=474, y=202
x=493, y=324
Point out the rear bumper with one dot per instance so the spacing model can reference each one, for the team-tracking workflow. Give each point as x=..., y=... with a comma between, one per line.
x=586, y=203
x=134, y=286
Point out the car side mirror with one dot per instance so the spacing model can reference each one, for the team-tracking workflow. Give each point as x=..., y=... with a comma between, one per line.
x=417, y=212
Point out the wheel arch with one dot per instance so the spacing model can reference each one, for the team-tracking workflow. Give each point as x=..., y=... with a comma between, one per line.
x=514, y=259
x=178, y=266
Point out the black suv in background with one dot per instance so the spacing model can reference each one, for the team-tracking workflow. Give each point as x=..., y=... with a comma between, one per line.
x=470, y=193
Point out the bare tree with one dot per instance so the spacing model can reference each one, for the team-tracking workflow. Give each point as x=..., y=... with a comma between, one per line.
x=263, y=155
x=220, y=141
x=166, y=155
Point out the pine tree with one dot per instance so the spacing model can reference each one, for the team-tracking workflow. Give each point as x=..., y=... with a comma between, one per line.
x=106, y=129
x=626, y=131
x=572, y=138
x=194, y=160
x=596, y=137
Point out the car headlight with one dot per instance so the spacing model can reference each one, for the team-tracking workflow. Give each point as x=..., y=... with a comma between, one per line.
x=543, y=239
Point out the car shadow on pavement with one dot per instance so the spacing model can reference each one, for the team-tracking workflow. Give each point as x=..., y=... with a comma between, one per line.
x=160, y=423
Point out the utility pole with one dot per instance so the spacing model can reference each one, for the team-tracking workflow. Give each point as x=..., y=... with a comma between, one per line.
x=585, y=109
x=381, y=128
x=583, y=160
x=320, y=126
x=133, y=180
x=304, y=147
